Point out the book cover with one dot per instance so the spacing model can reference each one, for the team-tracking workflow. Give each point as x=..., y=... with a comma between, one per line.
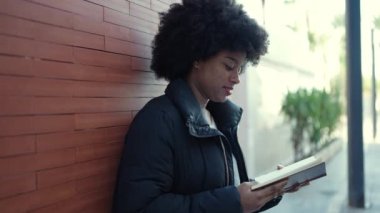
x=297, y=173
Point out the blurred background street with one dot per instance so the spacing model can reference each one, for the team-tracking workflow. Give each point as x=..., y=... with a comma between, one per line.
x=329, y=194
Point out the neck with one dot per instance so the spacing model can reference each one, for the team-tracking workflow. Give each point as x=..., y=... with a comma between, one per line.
x=198, y=95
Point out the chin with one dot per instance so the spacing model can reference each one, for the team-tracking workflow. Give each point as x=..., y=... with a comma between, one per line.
x=219, y=100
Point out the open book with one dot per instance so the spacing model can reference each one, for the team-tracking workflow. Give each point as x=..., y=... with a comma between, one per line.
x=297, y=173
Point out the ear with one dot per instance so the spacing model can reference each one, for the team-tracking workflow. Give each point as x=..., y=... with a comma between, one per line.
x=196, y=64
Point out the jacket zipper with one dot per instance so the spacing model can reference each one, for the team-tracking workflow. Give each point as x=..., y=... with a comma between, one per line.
x=225, y=161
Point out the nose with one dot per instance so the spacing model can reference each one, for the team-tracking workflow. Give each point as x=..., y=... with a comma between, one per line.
x=234, y=78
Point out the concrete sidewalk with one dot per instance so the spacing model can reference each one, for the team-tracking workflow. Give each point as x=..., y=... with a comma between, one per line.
x=329, y=194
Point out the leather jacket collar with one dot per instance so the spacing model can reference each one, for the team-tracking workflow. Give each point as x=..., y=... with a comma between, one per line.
x=226, y=114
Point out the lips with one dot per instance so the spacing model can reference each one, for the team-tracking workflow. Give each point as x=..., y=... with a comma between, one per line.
x=228, y=90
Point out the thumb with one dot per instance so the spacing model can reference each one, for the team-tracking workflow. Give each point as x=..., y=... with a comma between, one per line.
x=280, y=166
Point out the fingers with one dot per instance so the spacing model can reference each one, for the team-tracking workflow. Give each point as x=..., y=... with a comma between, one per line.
x=274, y=190
x=250, y=200
x=254, y=200
x=296, y=187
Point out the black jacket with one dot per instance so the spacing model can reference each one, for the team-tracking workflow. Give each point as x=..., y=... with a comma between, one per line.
x=173, y=162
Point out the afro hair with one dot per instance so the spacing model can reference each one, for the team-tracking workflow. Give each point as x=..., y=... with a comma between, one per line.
x=199, y=29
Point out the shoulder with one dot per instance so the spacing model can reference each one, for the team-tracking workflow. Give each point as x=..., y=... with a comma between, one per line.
x=158, y=106
x=154, y=125
x=158, y=112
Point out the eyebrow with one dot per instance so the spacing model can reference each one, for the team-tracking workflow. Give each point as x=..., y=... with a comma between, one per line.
x=235, y=60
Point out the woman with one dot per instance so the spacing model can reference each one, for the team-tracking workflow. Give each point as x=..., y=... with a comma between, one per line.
x=181, y=152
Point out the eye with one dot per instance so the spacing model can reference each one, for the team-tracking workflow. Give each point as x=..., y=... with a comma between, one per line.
x=228, y=67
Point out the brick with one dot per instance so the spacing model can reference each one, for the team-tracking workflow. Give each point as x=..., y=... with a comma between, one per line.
x=15, y=66
x=144, y=3
x=68, y=71
x=123, y=104
x=141, y=64
x=97, y=89
x=46, y=160
x=16, y=105
x=57, y=70
x=17, y=145
x=96, y=151
x=99, y=58
x=48, y=69
x=35, y=124
x=10, y=126
x=144, y=13
x=159, y=6
x=78, y=203
x=31, y=48
x=150, y=78
x=58, y=105
x=119, y=5
x=53, y=51
x=44, y=32
x=79, y=7
x=20, y=86
x=104, y=165
x=116, y=134
x=17, y=46
x=16, y=125
x=55, y=176
x=68, y=36
x=14, y=26
x=101, y=90
x=106, y=180
x=51, y=177
x=34, y=162
x=88, y=121
x=123, y=76
x=166, y=1
x=53, y=123
x=128, y=48
x=37, y=199
x=17, y=184
x=104, y=205
x=57, y=141
x=117, y=31
x=141, y=38
x=132, y=22
x=89, y=25
x=12, y=86
x=36, y=12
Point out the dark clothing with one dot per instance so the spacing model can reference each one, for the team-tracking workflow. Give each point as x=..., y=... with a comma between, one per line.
x=173, y=162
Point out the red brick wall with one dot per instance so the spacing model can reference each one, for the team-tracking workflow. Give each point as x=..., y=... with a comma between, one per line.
x=73, y=73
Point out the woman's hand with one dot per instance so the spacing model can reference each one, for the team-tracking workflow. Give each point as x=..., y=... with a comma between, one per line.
x=254, y=200
x=295, y=187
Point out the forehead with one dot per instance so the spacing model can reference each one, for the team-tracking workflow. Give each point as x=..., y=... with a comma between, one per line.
x=235, y=56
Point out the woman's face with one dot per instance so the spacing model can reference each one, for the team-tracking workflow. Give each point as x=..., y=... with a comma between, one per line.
x=214, y=79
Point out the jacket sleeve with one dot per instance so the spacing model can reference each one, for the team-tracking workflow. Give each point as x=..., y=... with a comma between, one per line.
x=145, y=176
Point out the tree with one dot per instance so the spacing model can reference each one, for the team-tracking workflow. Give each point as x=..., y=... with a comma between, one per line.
x=376, y=22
